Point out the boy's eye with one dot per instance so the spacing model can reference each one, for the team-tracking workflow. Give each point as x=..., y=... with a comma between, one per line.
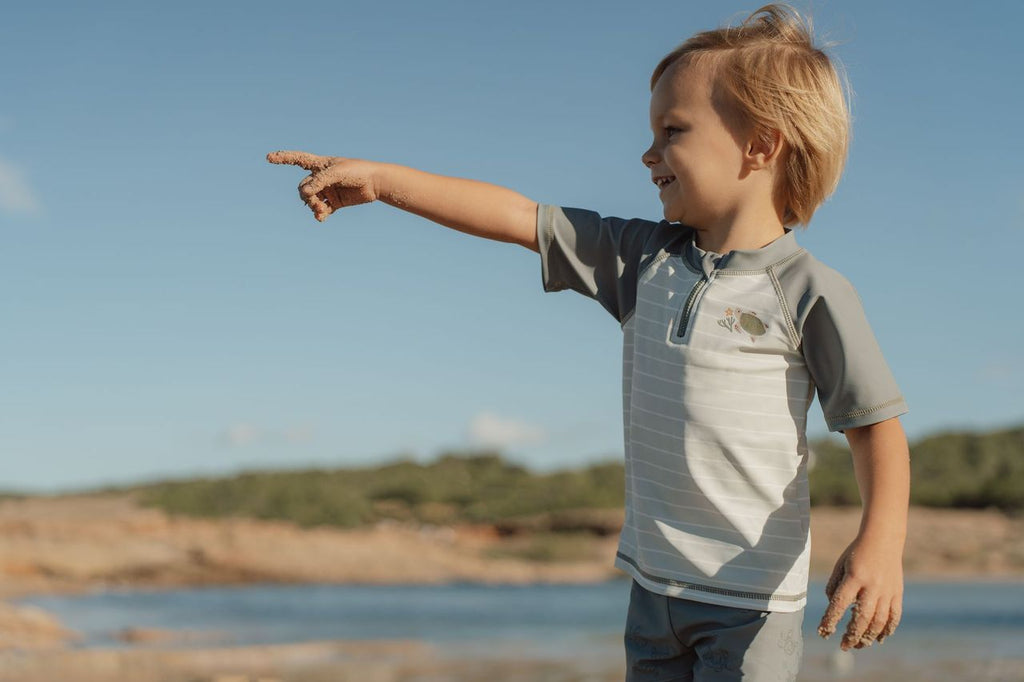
x=672, y=130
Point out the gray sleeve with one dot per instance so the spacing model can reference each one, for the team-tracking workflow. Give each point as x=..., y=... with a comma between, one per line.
x=854, y=384
x=599, y=257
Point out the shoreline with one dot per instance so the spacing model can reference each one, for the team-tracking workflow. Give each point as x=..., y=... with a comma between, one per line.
x=78, y=544
x=14, y=598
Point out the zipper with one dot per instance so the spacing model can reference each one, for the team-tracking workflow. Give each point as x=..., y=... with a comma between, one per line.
x=691, y=302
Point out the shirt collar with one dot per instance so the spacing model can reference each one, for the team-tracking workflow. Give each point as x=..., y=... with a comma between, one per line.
x=751, y=259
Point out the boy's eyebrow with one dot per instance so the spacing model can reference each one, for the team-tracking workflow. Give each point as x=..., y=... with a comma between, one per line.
x=673, y=114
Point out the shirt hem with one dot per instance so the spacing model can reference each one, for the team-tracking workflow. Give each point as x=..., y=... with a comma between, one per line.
x=866, y=417
x=545, y=235
x=710, y=594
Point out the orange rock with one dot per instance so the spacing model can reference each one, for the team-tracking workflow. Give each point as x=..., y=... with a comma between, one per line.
x=26, y=627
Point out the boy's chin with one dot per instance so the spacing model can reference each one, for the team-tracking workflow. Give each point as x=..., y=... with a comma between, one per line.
x=671, y=215
x=670, y=210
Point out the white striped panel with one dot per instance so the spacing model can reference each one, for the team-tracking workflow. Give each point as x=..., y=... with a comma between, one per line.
x=692, y=499
x=798, y=538
x=693, y=423
x=729, y=362
x=669, y=572
x=684, y=398
x=647, y=379
x=657, y=399
x=715, y=458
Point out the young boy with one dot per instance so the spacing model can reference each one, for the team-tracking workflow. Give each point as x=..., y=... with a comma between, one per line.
x=729, y=328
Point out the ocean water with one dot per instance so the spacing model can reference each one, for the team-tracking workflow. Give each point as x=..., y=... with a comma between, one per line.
x=959, y=621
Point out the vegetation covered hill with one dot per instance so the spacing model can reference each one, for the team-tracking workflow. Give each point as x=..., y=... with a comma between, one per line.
x=965, y=470
x=959, y=470
x=474, y=488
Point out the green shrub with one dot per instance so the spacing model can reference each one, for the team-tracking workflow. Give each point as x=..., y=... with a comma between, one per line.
x=468, y=487
x=964, y=470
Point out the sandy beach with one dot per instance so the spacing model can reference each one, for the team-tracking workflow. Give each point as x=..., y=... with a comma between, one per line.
x=72, y=544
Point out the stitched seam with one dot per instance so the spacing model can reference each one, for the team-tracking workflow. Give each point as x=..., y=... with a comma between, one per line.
x=728, y=271
x=785, y=307
x=657, y=260
x=708, y=588
x=866, y=410
x=628, y=317
x=549, y=227
x=671, y=625
x=798, y=252
x=687, y=264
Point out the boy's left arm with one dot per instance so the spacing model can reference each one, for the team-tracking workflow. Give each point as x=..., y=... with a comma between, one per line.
x=869, y=575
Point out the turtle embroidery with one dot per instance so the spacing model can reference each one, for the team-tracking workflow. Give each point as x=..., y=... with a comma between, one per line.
x=741, y=321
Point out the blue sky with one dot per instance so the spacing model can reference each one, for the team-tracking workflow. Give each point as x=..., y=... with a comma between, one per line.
x=171, y=309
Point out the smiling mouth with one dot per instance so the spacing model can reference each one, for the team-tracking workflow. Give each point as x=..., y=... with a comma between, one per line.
x=663, y=181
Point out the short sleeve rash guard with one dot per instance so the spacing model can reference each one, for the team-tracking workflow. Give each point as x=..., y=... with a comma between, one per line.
x=721, y=358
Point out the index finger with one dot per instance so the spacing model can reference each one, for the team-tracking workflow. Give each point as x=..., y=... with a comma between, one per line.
x=311, y=162
x=895, y=613
x=842, y=598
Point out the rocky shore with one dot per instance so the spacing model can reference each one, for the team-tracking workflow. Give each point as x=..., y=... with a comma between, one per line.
x=69, y=544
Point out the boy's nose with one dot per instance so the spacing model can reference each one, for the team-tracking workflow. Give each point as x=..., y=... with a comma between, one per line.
x=649, y=158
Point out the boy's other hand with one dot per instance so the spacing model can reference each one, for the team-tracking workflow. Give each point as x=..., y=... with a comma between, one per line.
x=868, y=580
x=334, y=182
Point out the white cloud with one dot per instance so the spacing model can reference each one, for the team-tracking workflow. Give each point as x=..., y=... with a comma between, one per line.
x=999, y=371
x=490, y=430
x=15, y=194
x=247, y=435
x=239, y=435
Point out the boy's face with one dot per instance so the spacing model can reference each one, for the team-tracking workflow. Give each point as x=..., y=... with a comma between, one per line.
x=697, y=157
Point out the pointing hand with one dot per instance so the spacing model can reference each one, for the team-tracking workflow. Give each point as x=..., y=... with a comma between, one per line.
x=334, y=182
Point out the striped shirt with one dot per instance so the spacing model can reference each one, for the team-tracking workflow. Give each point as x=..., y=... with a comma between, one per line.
x=722, y=356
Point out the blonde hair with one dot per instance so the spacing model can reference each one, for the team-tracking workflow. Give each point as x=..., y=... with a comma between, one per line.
x=769, y=68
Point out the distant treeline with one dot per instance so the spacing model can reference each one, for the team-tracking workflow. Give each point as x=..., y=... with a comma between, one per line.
x=476, y=487
x=964, y=470
x=949, y=470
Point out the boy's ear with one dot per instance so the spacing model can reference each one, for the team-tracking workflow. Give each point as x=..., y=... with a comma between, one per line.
x=763, y=149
